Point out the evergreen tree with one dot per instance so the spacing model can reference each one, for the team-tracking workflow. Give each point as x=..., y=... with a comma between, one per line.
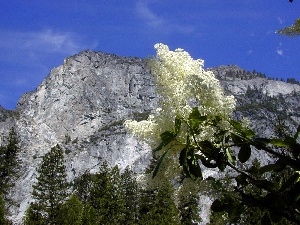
x=106, y=196
x=33, y=216
x=117, y=204
x=8, y=161
x=157, y=206
x=72, y=211
x=188, y=205
x=146, y=202
x=83, y=186
x=89, y=216
x=131, y=192
x=103, y=195
x=2, y=210
x=50, y=190
x=3, y=220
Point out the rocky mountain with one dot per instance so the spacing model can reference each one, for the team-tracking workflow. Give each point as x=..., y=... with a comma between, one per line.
x=83, y=103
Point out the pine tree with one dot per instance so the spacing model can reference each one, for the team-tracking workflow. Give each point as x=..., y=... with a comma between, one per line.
x=50, y=190
x=2, y=210
x=131, y=192
x=106, y=196
x=157, y=206
x=72, y=211
x=8, y=162
x=33, y=215
x=3, y=220
x=89, y=216
x=188, y=205
x=146, y=203
x=117, y=204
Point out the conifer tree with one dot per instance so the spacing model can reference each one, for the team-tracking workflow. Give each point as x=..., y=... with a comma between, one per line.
x=50, y=190
x=188, y=205
x=3, y=220
x=157, y=206
x=89, y=216
x=131, y=192
x=106, y=196
x=2, y=210
x=72, y=211
x=33, y=215
x=8, y=161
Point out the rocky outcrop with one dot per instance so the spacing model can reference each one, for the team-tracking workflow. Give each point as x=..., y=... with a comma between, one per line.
x=83, y=103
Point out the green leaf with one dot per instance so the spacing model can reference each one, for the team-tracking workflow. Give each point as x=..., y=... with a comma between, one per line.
x=249, y=133
x=244, y=153
x=237, y=125
x=245, y=131
x=295, y=149
x=218, y=206
x=271, y=167
x=297, y=133
x=241, y=180
x=194, y=168
x=216, y=121
x=279, y=142
x=208, y=149
x=290, y=182
x=182, y=156
x=295, y=192
x=159, y=163
x=166, y=138
x=195, y=118
x=205, y=161
x=237, y=140
x=229, y=156
x=262, y=140
x=178, y=122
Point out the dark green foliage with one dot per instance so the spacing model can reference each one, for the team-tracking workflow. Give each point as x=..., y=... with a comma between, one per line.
x=9, y=161
x=3, y=220
x=188, y=204
x=2, y=210
x=104, y=194
x=33, y=215
x=254, y=187
x=131, y=192
x=50, y=190
x=72, y=211
x=293, y=30
x=157, y=206
x=89, y=216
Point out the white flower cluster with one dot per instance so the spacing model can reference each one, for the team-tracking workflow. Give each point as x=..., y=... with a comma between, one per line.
x=182, y=84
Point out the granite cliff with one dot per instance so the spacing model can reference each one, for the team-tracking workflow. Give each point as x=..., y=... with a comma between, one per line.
x=83, y=103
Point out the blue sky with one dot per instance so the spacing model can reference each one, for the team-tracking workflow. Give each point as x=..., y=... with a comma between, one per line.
x=36, y=35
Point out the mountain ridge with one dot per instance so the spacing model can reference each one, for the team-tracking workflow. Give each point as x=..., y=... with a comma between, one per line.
x=83, y=103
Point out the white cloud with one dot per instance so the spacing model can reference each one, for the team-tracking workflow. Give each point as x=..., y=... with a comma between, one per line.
x=280, y=20
x=279, y=52
x=158, y=23
x=49, y=41
x=27, y=56
x=149, y=16
x=46, y=41
x=249, y=52
x=31, y=47
x=279, y=49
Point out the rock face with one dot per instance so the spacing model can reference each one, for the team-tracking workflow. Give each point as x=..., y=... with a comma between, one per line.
x=83, y=103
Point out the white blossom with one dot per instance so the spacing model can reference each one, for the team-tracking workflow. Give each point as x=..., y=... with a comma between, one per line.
x=182, y=84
